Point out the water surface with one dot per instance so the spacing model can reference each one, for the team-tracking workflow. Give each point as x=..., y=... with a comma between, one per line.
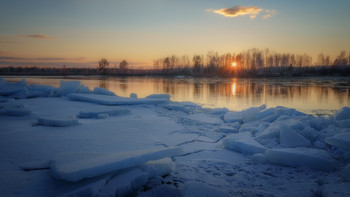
x=311, y=95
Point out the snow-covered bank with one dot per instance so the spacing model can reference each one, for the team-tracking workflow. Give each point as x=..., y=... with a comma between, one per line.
x=75, y=141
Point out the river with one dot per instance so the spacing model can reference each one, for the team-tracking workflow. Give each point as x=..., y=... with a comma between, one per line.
x=317, y=96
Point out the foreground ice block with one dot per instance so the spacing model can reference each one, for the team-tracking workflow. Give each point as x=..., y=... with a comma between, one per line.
x=233, y=116
x=102, y=114
x=114, y=100
x=16, y=110
x=57, y=121
x=102, y=91
x=343, y=114
x=95, y=166
x=68, y=87
x=341, y=140
x=244, y=143
x=315, y=159
x=290, y=138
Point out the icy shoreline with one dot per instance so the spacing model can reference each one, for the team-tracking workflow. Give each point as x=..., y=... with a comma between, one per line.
x=186, y=150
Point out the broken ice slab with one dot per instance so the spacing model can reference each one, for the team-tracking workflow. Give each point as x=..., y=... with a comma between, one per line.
x=95, y=166
x=243, y=143
x=341, y=140
x=312, y=158
x=100, y=113
x=57, y=121
x=114, y=100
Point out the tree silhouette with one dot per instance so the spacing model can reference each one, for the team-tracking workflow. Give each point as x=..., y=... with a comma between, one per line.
x=123, y=66
x=102, y=64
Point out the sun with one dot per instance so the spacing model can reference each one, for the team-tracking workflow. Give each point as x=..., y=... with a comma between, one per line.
x=234, y=64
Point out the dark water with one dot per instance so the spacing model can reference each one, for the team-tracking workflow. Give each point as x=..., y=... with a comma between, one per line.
x=310, y=95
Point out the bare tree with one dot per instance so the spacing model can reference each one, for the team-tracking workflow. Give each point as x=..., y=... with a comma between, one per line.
x=102, y=64
x=123, y=66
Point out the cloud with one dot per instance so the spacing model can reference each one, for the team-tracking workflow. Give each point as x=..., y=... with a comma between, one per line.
x=235, y=11
x=9, y=42
x=269, y=14
x=38, y=36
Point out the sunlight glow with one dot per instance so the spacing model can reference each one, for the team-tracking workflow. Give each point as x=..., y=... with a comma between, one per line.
x=234, y=64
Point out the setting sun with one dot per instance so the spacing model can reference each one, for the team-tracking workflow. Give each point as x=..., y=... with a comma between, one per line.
x=234, y=64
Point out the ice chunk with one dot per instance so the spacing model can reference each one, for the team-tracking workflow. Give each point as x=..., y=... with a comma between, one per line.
x=58, y=121
x=259, y=157
x=341, y=140
x=40, y=91
x=343, y=114
x=133, y=95
x=68, y=87
x=123, y=183
x=186, y=107
x=227, y=129
x=91, y=167
x=205, y=118
x=9, y=90
x=102, y=91
x=315, y=159
x=84, y=90
x=194, y=189
x=99, y=114
x=113, y=100
x=251, y=113
x=159, y=167
x=233, y=116
x=290, y=138
x=159, y=96
x=345, y=173
x=16, y=110
x=244, y=143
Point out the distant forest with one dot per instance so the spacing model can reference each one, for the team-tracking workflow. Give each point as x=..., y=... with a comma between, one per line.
x=250, y=63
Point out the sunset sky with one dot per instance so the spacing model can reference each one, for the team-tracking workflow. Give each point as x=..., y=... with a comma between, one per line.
x=80, y=32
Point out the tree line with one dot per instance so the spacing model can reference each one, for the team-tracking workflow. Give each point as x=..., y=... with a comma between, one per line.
x=254, y=62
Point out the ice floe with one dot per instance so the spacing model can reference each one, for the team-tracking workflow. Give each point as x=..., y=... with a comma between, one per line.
x=57, y=121
x=91, y=167
x=102, y=114
x=315, y=159
x=244, y=143
x=114, y=100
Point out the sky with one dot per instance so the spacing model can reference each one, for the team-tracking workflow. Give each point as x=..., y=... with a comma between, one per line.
x=81, y=32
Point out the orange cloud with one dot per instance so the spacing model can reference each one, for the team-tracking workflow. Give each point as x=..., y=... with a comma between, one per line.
x=269, y=13
x=239, y=11
x=38, y=36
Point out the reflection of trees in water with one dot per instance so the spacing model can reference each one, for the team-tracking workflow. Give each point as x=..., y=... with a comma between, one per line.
x=103, y=83
x=123, y=83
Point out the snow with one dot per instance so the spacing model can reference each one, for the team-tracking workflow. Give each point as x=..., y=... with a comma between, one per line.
x=244, y=143
x=95, y=166
x=345, y=173
x=72, y=141
x=315, y=159
x=193, y=189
